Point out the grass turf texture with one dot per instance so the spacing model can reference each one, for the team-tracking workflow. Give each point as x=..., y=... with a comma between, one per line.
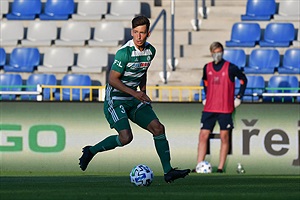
x=118, y=186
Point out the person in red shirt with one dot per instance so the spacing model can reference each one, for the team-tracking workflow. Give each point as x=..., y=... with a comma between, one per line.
x=219, y=86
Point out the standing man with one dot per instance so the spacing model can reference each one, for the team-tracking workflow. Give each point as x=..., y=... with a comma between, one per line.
x=123, y=101
x=219, y=85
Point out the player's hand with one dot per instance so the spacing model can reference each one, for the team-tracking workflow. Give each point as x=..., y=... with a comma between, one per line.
x=204, y=102
x=143, y=97
x=237, y=102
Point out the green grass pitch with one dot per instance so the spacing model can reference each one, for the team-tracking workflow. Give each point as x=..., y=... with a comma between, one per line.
x=117, y=186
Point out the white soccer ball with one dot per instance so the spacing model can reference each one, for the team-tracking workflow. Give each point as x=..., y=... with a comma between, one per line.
x=204, y=167
x=141, y=175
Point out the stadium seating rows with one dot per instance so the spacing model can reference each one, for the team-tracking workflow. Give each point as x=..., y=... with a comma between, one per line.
x=29, y=59
x=14, y=82
x=255, y=88
x=94, y=59
x=50, y=34
x=72, y=33
x=265, y=60
x=67, y=9
x=242, y=34
x=256, y=10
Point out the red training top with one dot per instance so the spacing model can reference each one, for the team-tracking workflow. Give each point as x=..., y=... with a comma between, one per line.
x=220, y=90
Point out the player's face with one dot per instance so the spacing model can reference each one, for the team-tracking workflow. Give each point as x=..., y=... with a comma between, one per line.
x=217, y=54
x=140, y=35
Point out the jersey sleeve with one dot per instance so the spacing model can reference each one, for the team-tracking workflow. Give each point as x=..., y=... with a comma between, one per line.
x=204, y=78
x=120, y=61
x=242, y=77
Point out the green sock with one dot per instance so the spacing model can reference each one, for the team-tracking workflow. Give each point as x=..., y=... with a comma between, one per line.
x=108, y=143
x=163, y=151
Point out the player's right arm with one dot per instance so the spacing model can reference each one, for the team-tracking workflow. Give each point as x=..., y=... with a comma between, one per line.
x=115, y=75
x=204, y=78
x=114, y=81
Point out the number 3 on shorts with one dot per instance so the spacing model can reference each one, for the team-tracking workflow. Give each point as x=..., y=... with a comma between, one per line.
x=122, y=109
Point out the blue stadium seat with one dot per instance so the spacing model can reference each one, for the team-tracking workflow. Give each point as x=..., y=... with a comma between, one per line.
x=74, y=80
x=263, y=61
x=281, y=84
x=24, y=10
x=255, y=85
x=10, y=82
x=58, y=10
x=23, y=60
x=41, y=79
x=2, y=57
x=278, y=35
x=291, y=62
x=259, y=10
x=235, y=56
x=244, y=35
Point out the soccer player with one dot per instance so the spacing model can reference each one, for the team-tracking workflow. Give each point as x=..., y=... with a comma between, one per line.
x=219, y=85
x=123, y=101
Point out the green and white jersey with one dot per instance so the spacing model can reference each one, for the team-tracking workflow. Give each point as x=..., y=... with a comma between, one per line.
x=132, y=64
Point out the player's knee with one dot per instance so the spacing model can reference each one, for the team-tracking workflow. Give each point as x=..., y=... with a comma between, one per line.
x=224, y=136
x=125, y=138
x=204, y=135
x=224, y=139
x=158, y=129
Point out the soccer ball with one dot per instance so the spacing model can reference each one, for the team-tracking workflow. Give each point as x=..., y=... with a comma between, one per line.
x=141, y=175
x=204, y=167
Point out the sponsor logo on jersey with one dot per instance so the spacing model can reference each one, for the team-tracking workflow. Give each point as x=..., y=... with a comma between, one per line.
x=117, y=63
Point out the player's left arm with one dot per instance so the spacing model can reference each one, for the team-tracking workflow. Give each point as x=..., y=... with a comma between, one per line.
x=237, y=72
x=143, y=83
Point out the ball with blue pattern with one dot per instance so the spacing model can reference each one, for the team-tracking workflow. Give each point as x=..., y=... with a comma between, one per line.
x=141, y=175
x=204, y=167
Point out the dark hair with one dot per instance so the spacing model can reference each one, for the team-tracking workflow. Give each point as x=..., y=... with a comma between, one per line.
x=216, y=45
x=139, y=21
